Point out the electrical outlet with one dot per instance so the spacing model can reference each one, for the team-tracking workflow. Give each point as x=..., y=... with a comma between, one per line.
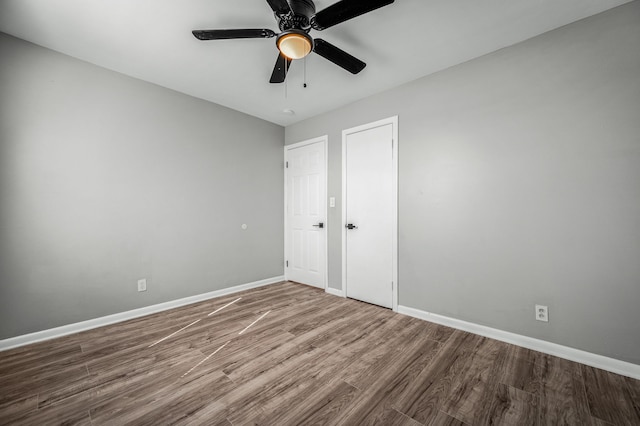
x=142, y=284
x=542, y=313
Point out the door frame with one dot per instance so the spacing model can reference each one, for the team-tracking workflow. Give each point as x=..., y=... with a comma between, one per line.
x=394, y=152
x=325, y=142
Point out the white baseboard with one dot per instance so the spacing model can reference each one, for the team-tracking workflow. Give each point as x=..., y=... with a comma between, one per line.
x=598, y=361
x=64, y=330
x=334, y=291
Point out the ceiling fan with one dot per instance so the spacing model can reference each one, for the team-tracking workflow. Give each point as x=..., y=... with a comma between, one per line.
x=295, y=19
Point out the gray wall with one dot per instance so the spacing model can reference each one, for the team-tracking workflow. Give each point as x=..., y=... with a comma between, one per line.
x=519, y=184
x=105, y=179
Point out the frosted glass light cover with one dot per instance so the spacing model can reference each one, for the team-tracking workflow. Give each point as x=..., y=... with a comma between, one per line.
x=294, y=46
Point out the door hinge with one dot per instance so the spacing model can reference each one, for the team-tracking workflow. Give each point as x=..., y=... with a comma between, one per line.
x=287, y=164
x=287, y=263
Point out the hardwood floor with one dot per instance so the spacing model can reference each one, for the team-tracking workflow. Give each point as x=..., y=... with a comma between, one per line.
x=306, y=358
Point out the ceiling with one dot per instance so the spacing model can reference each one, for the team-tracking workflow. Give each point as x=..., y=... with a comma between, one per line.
x=151, y=40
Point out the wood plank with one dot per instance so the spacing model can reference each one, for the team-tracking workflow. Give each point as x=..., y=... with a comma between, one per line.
x=520, y=372
x=386, y=386
x=513, y=406
x=423, y=398
x=443, y=419
x=378, y=361
x=174, y=402
x=70, y=413
x=390, y=416
x=634, y=390
x=320, y=407
x=15, y=390
x=121, y=377
x=268, y=385
x=19, y=406
x=562, y=393
x=37, y=355
x=475, y=385
x=609, y=397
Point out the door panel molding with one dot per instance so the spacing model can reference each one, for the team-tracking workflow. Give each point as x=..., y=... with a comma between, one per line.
x=323, y=140
x=345, y=133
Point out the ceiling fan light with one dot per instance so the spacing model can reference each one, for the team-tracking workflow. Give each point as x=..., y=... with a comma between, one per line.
x=295, y=44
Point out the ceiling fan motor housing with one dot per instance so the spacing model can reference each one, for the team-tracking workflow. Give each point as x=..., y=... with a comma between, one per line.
x=299, y=17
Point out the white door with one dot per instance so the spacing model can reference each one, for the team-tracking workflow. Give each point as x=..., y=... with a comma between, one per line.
x=370, y=213
x=305, y=227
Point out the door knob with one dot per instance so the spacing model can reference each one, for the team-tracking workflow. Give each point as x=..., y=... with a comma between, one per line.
x=320, y=225
x=350, y=226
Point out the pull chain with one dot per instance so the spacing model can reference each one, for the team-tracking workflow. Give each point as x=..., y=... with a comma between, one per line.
x=286, y=71
x=305, y=73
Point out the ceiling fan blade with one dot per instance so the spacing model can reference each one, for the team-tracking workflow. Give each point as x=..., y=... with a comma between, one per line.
x=279, y=6
x=345, y=10
x=280, y=69
x=231, y=34
x=338, y=56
